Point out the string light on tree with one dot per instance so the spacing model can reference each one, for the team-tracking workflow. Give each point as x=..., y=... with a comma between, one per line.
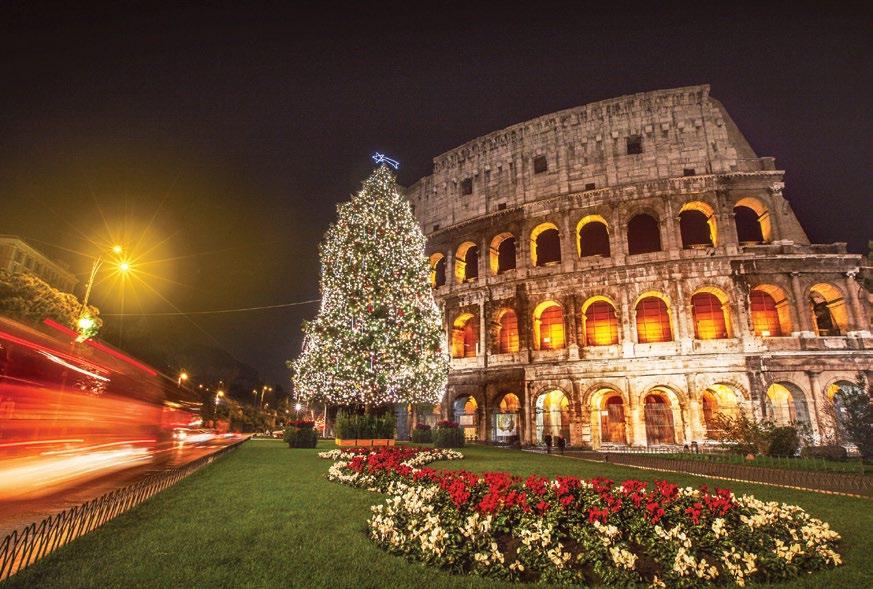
x=378, y=337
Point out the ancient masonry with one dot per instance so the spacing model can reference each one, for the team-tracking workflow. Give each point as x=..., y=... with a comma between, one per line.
x=621, y=273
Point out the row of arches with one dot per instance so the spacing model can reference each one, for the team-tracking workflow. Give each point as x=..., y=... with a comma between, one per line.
x=697, y=226
x=769, y=316
x=661, y=420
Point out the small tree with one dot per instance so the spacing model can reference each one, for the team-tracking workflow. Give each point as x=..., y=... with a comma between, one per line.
x=856, y=418
x=747, y=433
x=26, y=297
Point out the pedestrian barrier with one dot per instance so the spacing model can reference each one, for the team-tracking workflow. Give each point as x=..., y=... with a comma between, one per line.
x=24, y=547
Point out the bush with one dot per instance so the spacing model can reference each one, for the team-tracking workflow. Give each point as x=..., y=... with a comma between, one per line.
x=447, y=434
x=303, y=436
x=857, y=418
x=784, y=441
x=364, y=427
x=825, y=452
x=422, y=434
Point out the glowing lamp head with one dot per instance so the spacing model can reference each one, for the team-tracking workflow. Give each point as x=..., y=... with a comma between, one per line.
x=183, y=375
x=297, y=406
x=85, y=323
x=117, y=249
x=220, y=393
x=124, y=266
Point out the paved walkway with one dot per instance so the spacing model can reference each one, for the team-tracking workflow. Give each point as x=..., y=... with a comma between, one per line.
x=856, y=485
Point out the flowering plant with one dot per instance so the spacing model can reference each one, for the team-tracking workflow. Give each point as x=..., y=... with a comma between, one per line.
x=301, y=423
x=422, y=427
x=569, y=530
x=447, y=423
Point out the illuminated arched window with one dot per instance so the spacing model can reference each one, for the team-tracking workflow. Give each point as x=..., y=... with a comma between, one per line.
x=502, y=253
x=709, y=316
x=752, y=220
x=601, y=324
x=465, y=336
x=549, y=326
x=829, y=312
x=508, y=331
x=593, y=237
x=697, y=225
x=653, y=321
x=643, y=235
x=765, y=316
x=467, y=262
x=437, y=270
x=509, y=404
x=545, y=245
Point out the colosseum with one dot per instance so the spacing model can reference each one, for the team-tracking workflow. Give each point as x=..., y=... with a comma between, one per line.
x=620, y=273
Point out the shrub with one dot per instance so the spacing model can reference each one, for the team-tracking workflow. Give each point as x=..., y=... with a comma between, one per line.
x=447, y=434
x=857, y=418
x=301, y=437
x=783, y=442
x=364, y=427
x=421, y=434
x=826, y=452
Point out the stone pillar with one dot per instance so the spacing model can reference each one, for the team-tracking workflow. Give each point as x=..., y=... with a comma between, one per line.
x=627, y=330
x=483, y=333
x=637, y=433
x=816, y=393
x=803, y=314
x=672, y=241
x=570, y=326
x=858, y=317
x=530, y=413
x=682, y=312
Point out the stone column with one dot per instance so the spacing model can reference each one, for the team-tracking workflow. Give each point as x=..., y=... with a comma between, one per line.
x=637, y=423
x=483, y=333
x=859, y=325
x=695, y=427
x=803, y=314
x=682, y=311
x=570, y=323
x=816, y=392
x=627, y=330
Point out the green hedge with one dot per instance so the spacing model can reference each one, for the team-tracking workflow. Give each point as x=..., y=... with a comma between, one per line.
x=448, y=437
x=301, y=437
x=364, y=427
x=422, y=435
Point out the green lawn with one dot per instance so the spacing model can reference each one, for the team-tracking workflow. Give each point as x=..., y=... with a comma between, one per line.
x=265, y=516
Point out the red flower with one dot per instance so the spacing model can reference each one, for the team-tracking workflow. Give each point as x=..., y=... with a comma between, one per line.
x=542, y=506
x=595, y=514
x=536, y=484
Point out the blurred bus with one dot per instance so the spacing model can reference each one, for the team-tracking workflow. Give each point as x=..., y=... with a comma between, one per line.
x=72, y=411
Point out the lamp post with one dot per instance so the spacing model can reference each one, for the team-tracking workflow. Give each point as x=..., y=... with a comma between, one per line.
x=183, y=376
x=84, y=322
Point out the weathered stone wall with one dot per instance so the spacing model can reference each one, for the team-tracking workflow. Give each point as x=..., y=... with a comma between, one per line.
x=693, y=156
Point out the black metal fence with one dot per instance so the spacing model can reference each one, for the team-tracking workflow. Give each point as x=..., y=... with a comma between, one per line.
x=813, y=480
x=24, y=547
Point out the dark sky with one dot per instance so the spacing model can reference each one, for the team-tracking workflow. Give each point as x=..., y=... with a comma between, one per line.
x=225, y=136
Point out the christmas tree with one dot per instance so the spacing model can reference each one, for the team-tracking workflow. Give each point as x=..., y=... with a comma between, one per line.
x=377, y=338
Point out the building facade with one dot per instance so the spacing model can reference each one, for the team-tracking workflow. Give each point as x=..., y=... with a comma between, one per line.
x=16, y=255
x=620, y=273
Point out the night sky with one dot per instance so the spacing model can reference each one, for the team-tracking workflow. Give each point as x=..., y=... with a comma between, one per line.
x=216, y=142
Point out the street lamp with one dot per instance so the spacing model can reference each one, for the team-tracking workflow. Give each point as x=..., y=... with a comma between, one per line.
x=218, y=395
x=86, y=323
x=183, y=376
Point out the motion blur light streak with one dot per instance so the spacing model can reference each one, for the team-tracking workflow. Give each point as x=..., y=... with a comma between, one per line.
x=69, y=417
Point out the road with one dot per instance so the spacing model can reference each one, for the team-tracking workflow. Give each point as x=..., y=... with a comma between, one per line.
x=21, y=512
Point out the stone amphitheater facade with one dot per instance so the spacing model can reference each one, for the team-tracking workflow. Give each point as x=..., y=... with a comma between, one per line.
x=621, y=273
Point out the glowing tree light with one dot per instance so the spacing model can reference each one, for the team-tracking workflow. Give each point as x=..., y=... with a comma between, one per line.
x=377, y=338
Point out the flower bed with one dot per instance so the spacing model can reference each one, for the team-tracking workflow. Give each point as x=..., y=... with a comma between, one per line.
x=575, y=531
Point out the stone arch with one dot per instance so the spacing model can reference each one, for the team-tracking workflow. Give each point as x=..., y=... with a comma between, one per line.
x=545, y=245
x=769, y=311
x=506, y=330
x=697, y=225
x=710, y=313
x=551, y=414
x=643, y=233
x=609, y=415
x=600, y=324
x=832, y=416
x=467, y=262
x=466, y=411
x=719, y=399
x=501, y=254
x=662, y=416
x=654, y=318
x=592, y=236
x=506, y=419
x=828, y=309
x=786, y=403
x=752, y=220
x=437, y=264
x=465, y=336
x=548, y=326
